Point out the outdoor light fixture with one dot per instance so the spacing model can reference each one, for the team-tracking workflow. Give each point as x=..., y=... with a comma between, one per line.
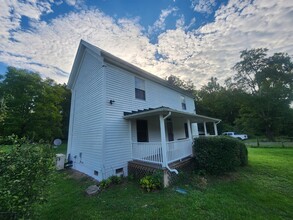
x=112, y=101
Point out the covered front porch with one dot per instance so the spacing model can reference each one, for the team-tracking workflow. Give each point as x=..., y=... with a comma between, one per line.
x=163, y=136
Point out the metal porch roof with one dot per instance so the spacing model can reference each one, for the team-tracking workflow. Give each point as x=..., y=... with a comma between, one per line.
x=194, y=118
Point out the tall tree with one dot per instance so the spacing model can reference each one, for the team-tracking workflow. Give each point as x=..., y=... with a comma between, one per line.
x=220, y=102
x=269, y=81
x=34, y=107
x=187, y=85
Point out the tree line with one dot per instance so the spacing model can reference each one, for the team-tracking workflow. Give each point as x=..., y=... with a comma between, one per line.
x=33, y=107
x=257, y=100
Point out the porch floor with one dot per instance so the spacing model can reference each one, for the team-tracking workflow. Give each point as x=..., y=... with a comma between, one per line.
x=174, y=165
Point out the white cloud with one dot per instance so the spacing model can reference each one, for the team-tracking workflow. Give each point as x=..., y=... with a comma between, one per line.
x=159, y=24
x=11, y=12
x=213, y=49
x=199, y=54
x=180, y=22
x=76, y=3
x=203, y=6
x=50, y=47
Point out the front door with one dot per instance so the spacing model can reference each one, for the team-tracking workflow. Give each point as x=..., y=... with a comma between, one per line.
x=170, y=130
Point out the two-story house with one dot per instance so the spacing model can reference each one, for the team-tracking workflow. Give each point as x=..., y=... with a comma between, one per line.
x=121, y=113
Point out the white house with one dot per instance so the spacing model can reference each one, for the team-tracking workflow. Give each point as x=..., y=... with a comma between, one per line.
x=121, y=113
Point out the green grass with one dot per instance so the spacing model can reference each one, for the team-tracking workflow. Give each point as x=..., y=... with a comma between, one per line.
x=262, y=190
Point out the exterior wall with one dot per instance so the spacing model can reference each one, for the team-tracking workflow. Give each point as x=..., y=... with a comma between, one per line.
x=99, y=138
x=120, y=87
x=178, y=128
x=86, y=122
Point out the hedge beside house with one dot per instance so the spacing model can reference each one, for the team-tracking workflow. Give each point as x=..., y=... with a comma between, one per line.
x=219, y=154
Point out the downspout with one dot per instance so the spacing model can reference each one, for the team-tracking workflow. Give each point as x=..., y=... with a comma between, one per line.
x=167, y=165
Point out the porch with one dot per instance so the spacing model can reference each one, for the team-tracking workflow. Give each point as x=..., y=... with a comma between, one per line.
x=163, y=136
x=152, y=152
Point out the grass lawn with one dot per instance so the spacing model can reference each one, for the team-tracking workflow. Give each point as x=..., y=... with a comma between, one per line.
x=262, y=190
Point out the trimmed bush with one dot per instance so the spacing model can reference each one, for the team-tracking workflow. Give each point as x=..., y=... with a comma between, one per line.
x=219, y=154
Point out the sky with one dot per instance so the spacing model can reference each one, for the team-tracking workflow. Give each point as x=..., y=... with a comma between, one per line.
x=192, y=39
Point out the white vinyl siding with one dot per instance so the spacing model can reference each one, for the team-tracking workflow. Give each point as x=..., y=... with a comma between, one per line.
x=120, y=88
x=98, y=132
x=86, y=125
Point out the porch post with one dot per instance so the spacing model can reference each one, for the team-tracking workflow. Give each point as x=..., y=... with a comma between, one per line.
x=205, y=129
x=215, y=129
x=163, y=141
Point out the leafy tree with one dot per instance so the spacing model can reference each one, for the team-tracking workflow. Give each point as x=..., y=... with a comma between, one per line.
x=269, y=81
x=187, y=85
x=36, y=108
x=220, y=102
x=21, y=89
x=2, y=106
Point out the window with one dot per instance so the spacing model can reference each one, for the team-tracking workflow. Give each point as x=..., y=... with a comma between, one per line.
x=139, y=88
x=119, y=171
x=186, y=130
x=142, y=131
x=183, y=103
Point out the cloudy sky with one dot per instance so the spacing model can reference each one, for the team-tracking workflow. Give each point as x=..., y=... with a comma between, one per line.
x=192, y=39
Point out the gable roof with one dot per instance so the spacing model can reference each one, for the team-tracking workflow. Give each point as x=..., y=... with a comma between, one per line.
x=109, y=58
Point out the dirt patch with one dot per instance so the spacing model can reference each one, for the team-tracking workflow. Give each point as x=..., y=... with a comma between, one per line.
x=76, y=175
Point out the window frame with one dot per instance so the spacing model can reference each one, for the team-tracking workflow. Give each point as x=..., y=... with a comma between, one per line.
x=183, y=102
x=139, y=85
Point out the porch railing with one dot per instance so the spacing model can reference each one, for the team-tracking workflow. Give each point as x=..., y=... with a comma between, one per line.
x=179, y=149
x=147, y=151
x=152, y=151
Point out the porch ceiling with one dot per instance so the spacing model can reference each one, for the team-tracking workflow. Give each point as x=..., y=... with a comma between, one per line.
x=194, y=118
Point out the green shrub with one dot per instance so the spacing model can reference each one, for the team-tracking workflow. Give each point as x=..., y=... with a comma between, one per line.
x=150, y=183
x=25, y=171
x=104, y=184
x=219, y=154
x=116, y=179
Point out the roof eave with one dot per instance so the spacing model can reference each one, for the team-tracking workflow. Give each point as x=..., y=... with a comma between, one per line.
x=167, y=110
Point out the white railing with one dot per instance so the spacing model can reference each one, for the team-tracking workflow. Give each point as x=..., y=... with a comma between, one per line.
x=147, y=151
x=152, y=151
x=179, y=149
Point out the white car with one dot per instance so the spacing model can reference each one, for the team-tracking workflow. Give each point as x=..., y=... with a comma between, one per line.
x=235, y=135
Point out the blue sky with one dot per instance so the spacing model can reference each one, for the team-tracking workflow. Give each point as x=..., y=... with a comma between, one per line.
x=192, y=39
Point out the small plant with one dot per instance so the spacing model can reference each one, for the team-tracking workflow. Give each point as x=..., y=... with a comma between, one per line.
x=116, y=179
x=104, y=184
x=150, y=183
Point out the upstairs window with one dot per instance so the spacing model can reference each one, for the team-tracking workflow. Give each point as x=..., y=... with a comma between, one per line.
x=183, y=103
x=139, y=88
